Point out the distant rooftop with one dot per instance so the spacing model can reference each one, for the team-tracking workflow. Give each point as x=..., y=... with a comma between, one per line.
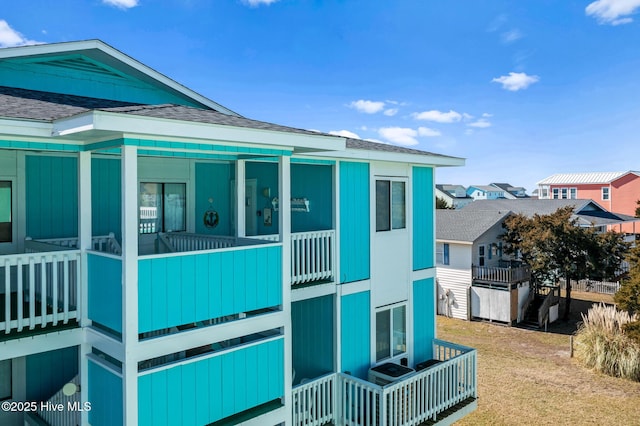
x=466, y=225
x=584, y=178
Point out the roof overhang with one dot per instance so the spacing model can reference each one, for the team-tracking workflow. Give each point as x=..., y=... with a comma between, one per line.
x=420, y=159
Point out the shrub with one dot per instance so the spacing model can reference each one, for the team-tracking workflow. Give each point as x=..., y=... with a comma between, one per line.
x=632, y=330
x=602, y=344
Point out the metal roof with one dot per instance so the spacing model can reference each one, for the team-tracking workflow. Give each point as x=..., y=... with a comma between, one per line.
x=584, y=178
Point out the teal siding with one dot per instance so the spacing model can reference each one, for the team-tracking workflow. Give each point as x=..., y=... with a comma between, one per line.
x=206, y=391
x=47, y=372
x=213, y=180
x=354, y=222
x=266, y=175
x=51, y=196
x=355, y=326
x=105, y=291
x=105, y=395
x=106, y=199
x=312, y=326
x=101, y=82
x=185, y=289
x=424, y=318
x=315, y=183
x=423, y=222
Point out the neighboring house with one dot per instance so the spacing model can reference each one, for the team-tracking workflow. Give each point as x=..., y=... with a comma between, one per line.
x=511, y=192
x=475, y=279
x=615, y=191
x=485, y=192
x=455, y=195
x=168, y=261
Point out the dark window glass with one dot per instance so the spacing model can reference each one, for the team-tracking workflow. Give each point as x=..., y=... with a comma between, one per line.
x=383, y=204
x=5, y=212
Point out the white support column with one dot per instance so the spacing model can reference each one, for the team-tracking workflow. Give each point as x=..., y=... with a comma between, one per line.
x=337, y=335
x=84, y=244
x=130, y=282
x=284, y=226
x=241, y=199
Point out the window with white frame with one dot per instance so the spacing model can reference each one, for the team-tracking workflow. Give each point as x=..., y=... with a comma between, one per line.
x=391, y=332
x=573, y=193
x=565, y=193
x=556, y=193
x=442, y=253
x=544, y=192
x=6, y=221
x=390, y=205
x=605, y=192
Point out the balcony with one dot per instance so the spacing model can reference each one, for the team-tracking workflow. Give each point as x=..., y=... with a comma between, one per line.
x=446, y=390
x=500, y=275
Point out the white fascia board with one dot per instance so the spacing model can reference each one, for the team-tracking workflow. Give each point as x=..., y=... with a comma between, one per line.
x=104, y=343
x=87, y=45
x=165, y=128
x=41, y=343
x=396, y=157
x=25, y=128
x=466, y=243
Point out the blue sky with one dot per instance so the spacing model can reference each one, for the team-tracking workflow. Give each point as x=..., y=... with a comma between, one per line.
x=522, y=89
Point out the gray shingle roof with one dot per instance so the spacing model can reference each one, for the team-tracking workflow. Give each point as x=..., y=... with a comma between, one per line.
x=48, y=107
x=466, y=225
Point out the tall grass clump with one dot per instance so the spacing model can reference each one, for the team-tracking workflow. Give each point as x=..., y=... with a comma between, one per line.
x=602, y=344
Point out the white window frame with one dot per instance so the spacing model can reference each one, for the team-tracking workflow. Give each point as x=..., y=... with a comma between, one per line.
x=391, y=181
x=555, y=193
x=391, y=355
x=573, y=193
x=564, y=193
x=605, y=193
x=443, y=254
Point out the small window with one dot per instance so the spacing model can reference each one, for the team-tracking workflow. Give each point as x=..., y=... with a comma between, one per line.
x=544, y=193
x=605, y=192
x=391, y=333
x=442, y=253
x=162, y=207
x=565, y=193
x=5, y=380
x=556, y=193
x=6, y=228
x=390, y=205
x=573, y=193
x=481, y=253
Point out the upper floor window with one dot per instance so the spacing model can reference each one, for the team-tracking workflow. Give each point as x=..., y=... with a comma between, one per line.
x=544, y=192
x=605, y=192
x=565, y=193
x=390, y=205
x=573, y=193
x=162, y=207
x=6, y=228
x=442, y=253
x=556, y=193
x=391, y=332
x=481, y=254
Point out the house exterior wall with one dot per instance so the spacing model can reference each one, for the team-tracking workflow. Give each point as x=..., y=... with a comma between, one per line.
x=454, y=281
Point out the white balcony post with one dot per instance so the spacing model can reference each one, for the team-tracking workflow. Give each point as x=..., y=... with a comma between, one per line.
x=84, y=244
x=241, y=199
x=284, y=227
x=130, y=282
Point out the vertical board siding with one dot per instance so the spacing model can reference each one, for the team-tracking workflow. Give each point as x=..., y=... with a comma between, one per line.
x=106, y=197
x=105, y=395
x=51, y=196
x=47, y=372
x=423, y=212
x=355, y=326
x=424, y=318
x=354, y=222
x=213, y=181
x=312, y=337
x=71, y=80
x=105, y=291
x=184, y=289
x=206, y=391
x=315, y=183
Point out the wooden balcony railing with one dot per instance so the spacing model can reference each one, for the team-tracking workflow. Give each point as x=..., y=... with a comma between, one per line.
x=501, y=275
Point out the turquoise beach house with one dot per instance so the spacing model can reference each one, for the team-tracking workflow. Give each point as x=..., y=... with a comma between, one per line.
x=167, y=261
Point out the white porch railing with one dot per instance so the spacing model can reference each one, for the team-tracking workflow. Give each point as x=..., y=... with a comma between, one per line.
x=500, y=275
x=314, y=402
x=420, y=397
x=39, y=289
x=102, y=243
x=183, y=241
x=312, y=256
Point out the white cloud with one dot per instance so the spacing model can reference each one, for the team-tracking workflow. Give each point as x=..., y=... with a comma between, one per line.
x=399, y=135
x=469, y=132
x=11, y=38
x=368, y=107
x=467, y=116
x=390, y=112
x=516, y=81
x=510, y=36
x=481, y=124
x=430, y=133
x=121, y=4
x=438, y=116
x=487, y=115
x=256, y=3
x=344, y=133
x=613, y=12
